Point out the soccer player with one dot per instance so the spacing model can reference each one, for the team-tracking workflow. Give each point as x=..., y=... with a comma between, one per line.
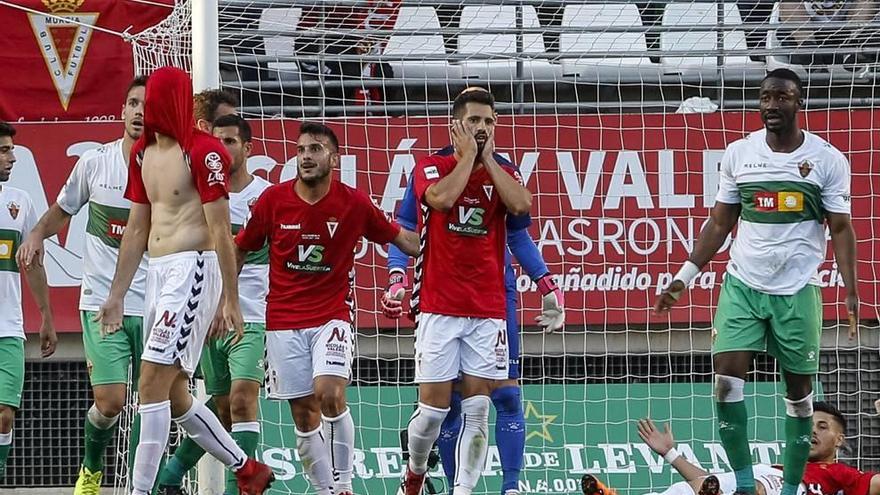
x=312, y=225
x=17, y=218
x=232, y=367
x=178, y=187
x=782, y=184
x=510, y=431
x=465, y=197
x=823, y=474
x=211, y=104
x=98, y=180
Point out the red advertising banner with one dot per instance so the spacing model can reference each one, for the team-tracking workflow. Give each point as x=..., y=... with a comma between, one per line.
x=618, y=201
x=62, y=69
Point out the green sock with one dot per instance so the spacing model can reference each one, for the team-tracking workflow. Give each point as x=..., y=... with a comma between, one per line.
x=248, y=441
x=4, y=454
x=732, y=421
x=798, y=436
x=96, y=445
x=185, y=458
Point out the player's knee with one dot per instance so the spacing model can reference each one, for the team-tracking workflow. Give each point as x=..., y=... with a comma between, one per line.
x=729, y=388
x=7, y=417
x=306, y=414
x=110, y=405
x=797, y=390
x=507, y=400
x=332, y=404
x=801, y=408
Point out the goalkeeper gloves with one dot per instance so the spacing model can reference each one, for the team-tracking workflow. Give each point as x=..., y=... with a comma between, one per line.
x=392, y=300
x=552, y=315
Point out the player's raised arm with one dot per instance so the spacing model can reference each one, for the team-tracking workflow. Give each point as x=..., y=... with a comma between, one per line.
x=442, y=194
x=131, y=251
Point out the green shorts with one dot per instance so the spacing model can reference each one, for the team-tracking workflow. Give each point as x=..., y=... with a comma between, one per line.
x=786, y=327
x=12, y=371
x=109, y=357
x=222, y=363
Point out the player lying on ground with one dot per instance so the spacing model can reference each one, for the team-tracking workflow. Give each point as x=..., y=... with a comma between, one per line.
x=98, y=180
x=466, y=199
x=180, y=214
x=823, y=475
x=233, y=367
x=510, y=431
x=312, y=225
x=17, y=218
x=781, y=185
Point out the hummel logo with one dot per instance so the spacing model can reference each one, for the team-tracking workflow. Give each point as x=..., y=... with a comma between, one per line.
x=288, y=226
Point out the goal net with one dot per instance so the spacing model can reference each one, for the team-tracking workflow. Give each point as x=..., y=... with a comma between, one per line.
x=617, y=115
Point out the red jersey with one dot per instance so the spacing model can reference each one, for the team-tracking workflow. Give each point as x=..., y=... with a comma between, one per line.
x=461, y=268
x=829, y=479
x=208, y=162
x=311, y=251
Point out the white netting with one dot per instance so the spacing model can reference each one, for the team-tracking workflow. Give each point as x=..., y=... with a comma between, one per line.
x=622, y=186
x=166, y=43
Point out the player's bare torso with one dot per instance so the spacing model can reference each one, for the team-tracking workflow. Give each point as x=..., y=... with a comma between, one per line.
x=177, y=219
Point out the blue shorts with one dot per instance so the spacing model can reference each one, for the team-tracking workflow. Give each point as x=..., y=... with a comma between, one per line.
x=512, y=335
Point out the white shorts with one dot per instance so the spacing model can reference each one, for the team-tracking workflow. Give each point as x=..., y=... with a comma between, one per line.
x=446, y=345
x=183, y=291
x=294, y=358
x=768, y=476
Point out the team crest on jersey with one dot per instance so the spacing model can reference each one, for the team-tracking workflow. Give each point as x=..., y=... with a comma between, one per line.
x=805, y=168
x=331, y=226
x=488, y=188
x=13, y=208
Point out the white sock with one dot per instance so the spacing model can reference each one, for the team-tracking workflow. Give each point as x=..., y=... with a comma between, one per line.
x=680, y=488
x=339, y=435
x=315, y=459
x=155, y=426
x=473, y=443
x=6, y=438
x=422, y=432
x=100, y=421
x=206, y=430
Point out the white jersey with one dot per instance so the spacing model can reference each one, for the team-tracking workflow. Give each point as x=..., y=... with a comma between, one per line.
x=253, y=281
x=17, y=219
x=99, y=179
x=784, y=196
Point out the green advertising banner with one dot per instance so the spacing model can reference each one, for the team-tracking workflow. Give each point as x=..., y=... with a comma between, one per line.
x=571, y=430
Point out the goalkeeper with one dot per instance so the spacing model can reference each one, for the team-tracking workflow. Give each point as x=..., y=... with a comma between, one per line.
x=782, y=184
x=507, y=397
x=823, y=474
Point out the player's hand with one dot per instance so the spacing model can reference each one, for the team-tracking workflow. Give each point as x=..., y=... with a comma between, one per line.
x=392, y=299
x=30, y=252
x=218, y=327
x=110, y=316
x=659, y=441
x=669, y=297
x=877, y=405
x=552, y=315
x=852, y=311
x=463, y=140
x=489, y=146
x=232, y=320
x=48, y=338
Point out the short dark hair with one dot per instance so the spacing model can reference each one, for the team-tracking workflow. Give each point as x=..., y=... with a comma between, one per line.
x=317, y=129
x=232, y=120
x=786, y=75
x=6, y=129
x=139, y=81
x=828, y=408
x=472, y=95
x=205, y=103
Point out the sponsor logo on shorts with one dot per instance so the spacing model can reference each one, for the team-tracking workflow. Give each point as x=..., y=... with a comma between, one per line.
x=501, y=359
x=156, y=349
x=335, y=363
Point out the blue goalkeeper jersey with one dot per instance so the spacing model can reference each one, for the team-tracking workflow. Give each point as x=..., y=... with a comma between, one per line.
x=518, y=240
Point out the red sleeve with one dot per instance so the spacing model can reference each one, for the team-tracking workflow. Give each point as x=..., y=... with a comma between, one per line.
x=209, y=165
x=378, y=226
x=853, y=481
x=427, y=172
x=134, y=189
x=252, y=237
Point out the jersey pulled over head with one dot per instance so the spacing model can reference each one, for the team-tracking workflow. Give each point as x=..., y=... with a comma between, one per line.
x=168, y=107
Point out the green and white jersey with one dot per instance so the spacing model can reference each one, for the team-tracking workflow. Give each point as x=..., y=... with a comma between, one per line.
x=17, y=219
x=253, y=281
x=98, y=180
x=781, y=241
